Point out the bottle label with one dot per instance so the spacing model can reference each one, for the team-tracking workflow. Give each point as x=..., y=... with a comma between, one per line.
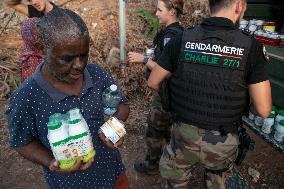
x=80, y=145
x=60, y=151
x=258, y=121
x=266, y=128
x=278, y=136
x=113, y=129
x=251, y=116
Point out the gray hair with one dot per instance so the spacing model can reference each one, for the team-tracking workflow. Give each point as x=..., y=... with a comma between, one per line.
x=60, y=25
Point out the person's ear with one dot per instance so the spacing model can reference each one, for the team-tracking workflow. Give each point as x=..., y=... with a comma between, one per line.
x=173, y=12
x=239, y=7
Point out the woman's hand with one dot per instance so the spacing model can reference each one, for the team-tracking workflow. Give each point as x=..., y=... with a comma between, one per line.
x=134, y=57
x=108, y=143
x=79, y=166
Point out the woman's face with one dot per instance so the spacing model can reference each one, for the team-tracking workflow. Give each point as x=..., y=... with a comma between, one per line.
x=163, y=13
x=67, y=59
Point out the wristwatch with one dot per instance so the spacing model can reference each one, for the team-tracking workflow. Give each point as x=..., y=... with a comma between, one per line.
x=145, y=60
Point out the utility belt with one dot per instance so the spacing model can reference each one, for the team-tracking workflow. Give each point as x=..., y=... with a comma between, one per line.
x=224, y=130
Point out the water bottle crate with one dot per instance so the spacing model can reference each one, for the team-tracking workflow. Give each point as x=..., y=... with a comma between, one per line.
x=279, y=146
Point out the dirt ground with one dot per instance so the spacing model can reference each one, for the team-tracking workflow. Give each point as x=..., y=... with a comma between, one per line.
x=101, y=18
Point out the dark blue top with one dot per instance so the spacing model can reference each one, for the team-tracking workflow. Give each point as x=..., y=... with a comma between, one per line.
x=33, y=103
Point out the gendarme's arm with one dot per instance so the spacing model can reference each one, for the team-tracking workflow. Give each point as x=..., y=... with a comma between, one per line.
x=158, y=74
x=260, y=94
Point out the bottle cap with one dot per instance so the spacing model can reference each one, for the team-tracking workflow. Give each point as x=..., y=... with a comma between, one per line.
x=281, y=112
x=54, y=121
x=243, y=22
x=74, y=115
x=259, y=22
x=252, y=28
x=113, y=87
x=271, y=115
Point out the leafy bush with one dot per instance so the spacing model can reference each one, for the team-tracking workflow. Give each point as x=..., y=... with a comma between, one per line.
x=152, y=21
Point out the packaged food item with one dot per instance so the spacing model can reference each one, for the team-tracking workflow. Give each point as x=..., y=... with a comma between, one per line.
x=113, y=129
x=252, y=29
x=80, y=142
x=279, y=131
x=251, y=116
x=279, y=117
x=59, y=139
x=259, y=24
x=258, y=120
x=269, y=26
x=268, y=123
x=243, y=24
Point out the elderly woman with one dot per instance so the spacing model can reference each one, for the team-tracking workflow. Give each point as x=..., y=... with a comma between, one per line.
x=62, y=82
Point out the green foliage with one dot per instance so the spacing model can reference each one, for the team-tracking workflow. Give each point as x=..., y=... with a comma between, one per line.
x=151, y=20
x=14, y=82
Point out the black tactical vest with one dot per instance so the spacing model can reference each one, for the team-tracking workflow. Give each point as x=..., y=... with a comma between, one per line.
x=208, y=88
x=159, y=39
x=158, y=43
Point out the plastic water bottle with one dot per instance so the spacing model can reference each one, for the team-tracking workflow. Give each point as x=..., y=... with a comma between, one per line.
x=58, y=139
x=268, y=123
x=279, y=117
x=279, y=131
x=80, y=142
x=111, y=98
x=251, y=116
x=274, y=109
x=258, y=120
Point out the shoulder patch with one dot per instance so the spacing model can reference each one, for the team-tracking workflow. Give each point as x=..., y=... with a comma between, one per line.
x=166, y=40
x=266, y=56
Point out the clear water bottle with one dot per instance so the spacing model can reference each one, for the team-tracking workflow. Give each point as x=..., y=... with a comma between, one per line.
x=251, y=116
x=268, y=123
x=279, y=117
x=111, y=98
x=279, y=131
x=258, y=120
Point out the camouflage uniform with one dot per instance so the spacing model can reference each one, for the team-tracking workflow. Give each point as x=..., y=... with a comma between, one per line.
x=157, y=134
x=190, y=145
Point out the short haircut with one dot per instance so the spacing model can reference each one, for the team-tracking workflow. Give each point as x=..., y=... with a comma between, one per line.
x=217, y=5
x=60, y=25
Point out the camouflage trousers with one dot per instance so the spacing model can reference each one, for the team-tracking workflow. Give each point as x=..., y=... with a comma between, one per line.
x=158, y=132
x=190, y=146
